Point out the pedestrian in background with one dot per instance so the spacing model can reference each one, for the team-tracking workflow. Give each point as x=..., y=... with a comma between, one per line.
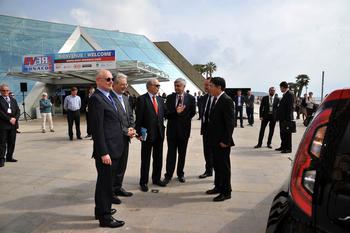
x=72, y=104
x=45, y=111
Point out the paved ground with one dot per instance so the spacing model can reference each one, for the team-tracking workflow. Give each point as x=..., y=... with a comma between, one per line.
x=51, y=188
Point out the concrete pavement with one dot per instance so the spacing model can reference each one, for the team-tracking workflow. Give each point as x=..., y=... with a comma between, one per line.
x=51, y=187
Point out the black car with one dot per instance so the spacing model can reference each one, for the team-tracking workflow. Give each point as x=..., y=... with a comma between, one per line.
x=316, y=198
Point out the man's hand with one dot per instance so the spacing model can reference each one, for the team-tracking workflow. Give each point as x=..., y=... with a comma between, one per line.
x=180, y=108
x=131, y=132
x=223, y=145
x=13, y=121
x=106, y=159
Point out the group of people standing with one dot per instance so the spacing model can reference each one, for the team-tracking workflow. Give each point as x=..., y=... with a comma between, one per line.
x=112, y=127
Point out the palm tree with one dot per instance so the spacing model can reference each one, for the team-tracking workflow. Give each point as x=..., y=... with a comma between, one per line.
x=302, y=80
x=210, y=69
x=200, y=68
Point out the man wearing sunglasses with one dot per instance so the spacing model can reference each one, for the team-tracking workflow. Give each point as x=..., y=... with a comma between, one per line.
x=108, y=139
x=150, y=110
x=9, y=114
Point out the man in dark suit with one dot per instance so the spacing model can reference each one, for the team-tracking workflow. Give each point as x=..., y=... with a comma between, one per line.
x=108, y=139
x=127, y=119
x=88, y=128
x=267, y=115
x=285, y=116
x=204, y=115
x=9, y=114
x=249, y=107
x=239, y=101
x=181, y=107
x=150, y=110
x=220, y=130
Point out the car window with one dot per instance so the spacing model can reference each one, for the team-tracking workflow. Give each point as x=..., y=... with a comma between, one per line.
x=344, y=146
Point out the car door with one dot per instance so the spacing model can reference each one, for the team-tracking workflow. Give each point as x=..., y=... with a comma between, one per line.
x=331, y=196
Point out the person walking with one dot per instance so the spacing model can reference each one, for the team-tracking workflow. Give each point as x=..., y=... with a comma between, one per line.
x=45, y=111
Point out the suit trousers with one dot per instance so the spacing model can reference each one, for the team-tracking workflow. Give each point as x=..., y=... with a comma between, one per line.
x=103, y=191
x=250, y=115
x=222, y=168
x=176, y=145
x=272, y=122
x=73, y=117
x=286, y=140
x=146, y=151
x=88, y=125
x=208, y=154
x=121, y=167
x=239, y=109
x=7, y=143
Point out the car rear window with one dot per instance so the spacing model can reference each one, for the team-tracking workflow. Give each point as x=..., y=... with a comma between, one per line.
x=344, y=146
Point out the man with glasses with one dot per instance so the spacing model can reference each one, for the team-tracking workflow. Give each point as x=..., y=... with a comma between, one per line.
x=107, y=136
x=267, y=115
x=72, y=104
x=150, y=127
x=9, y=114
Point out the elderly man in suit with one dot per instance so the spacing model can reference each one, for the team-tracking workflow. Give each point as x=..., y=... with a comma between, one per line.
x=107, y=134
x=181, y=107
x=150, y=112
x=285, y=117
x=127, y=119
x=220, y=130
x=267, y=115
x=9, y=114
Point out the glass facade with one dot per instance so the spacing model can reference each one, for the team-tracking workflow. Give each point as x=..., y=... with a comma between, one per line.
x=20, y=37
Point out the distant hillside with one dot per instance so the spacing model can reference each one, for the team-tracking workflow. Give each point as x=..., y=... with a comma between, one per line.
x=259, y=93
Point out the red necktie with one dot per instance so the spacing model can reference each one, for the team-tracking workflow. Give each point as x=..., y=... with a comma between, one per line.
x=155, y=106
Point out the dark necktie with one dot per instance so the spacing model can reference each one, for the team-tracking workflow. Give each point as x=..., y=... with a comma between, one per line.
x=213, y=105
x=112, y=102
x=178, y=101
x=207, y=110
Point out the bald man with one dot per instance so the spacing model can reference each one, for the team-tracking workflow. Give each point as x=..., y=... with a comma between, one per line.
x=107, y=136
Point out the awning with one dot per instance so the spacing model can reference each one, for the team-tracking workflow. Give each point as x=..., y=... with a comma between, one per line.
x=137, y=72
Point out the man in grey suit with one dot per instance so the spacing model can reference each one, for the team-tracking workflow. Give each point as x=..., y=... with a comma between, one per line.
x=107, y=135
x=127, y=122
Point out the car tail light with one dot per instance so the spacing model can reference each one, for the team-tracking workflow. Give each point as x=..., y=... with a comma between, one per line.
x=303, y=174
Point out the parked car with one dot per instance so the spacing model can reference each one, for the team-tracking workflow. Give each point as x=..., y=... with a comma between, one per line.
x=316, y=198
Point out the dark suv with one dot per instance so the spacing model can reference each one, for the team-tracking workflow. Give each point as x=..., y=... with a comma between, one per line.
x=316, y=198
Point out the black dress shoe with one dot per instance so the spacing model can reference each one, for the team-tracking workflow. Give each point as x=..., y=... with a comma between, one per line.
x=222, y=197
x=144, y=187
x=80, y=138
x=111, y=222
x=166, y=180
x=11, y=160
x=242, y=126
x=159, y=183
x=2, y=164
x=70, y=138
x=212, y=191
x=123, y=193
x=205, y=175
x=116, y=200
x=113, y=211
x=181, y=179
x=286, y=151
x=257, y=146
x=269, y=146
x=279, y=149
x=88, y=136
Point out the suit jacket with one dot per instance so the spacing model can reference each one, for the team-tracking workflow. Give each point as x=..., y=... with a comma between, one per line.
x=106, y=127
x=249, y=101
x=265, y=107
x=236, y=100
x=179, y=125
x=5, y=117
x=204, y=100
x=221, y=122
x=127, y=116
x=146, y=117
x=285, y=107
